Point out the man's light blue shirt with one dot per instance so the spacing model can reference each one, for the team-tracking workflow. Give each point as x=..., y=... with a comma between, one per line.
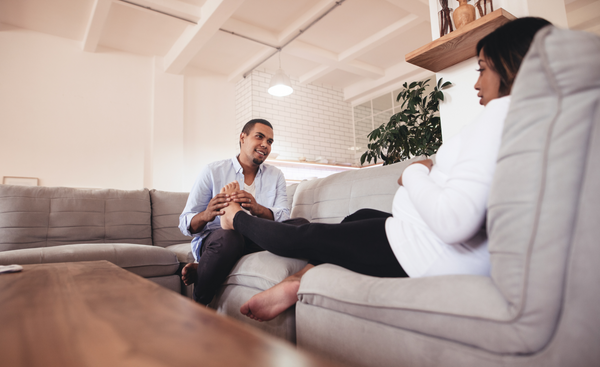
x=270, y=193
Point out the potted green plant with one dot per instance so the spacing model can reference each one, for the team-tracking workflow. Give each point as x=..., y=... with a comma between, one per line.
x=414, y=131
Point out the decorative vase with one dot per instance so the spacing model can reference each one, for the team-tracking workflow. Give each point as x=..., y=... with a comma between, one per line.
x=464, y=14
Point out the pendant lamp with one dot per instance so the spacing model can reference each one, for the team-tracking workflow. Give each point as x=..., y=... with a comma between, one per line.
x=280, y=83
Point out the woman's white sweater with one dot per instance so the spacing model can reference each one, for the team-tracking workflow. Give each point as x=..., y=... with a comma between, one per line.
x=438, y=223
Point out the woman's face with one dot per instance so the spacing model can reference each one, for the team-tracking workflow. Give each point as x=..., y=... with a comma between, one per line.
x=488, y=84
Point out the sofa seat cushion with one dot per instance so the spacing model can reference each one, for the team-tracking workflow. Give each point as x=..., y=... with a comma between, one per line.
x=183, y=251
x=145, y=261
x=251, y=275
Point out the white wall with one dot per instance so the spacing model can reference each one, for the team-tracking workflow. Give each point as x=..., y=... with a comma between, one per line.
x=209, y=130
x=107, y=119
x=462, y=105
x=164, y=151
x=71, y=118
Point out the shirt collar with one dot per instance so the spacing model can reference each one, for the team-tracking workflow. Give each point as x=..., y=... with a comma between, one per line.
x=238, y=166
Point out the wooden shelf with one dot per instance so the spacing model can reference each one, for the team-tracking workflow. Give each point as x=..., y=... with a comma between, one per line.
x=282, y=162
x=459, y=45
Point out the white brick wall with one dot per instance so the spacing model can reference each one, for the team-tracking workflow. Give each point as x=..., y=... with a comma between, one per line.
x=312, y=122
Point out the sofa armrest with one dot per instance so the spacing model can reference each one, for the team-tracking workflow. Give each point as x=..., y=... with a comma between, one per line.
x=183, y=251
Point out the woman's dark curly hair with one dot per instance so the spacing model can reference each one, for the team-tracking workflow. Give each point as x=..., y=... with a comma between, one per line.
x=505, y=48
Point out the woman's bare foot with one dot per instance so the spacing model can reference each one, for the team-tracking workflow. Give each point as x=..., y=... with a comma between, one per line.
x=232, y=208
x=189, y=273
x=269, y=304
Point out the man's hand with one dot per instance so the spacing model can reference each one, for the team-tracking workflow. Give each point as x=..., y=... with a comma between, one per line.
x=248, y=202
x=215, y=206
x=426, y=162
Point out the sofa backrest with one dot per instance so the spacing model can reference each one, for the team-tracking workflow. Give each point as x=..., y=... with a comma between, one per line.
x=544, y=208
x=290, y=190
x=166, y=208
x=51, y=216
x=330, y=199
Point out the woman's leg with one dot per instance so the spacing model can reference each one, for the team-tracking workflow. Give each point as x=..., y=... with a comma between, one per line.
x=338, y=244
x=360, y=245
x=366, y=214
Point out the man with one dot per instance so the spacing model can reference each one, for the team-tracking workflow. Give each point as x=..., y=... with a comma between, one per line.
x=262, y=193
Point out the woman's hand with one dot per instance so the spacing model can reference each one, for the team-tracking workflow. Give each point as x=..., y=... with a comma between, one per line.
x=426, y=162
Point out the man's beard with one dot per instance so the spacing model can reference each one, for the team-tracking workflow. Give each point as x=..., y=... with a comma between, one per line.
x=257, y=161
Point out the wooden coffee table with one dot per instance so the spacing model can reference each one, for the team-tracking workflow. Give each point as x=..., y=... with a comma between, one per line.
x=97, y=314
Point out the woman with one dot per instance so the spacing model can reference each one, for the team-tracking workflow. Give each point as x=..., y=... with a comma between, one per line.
x=438, y=221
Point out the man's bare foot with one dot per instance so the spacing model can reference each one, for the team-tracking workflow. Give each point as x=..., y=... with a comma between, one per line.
x=232, y=208
x=269, y=304
x=189, y=273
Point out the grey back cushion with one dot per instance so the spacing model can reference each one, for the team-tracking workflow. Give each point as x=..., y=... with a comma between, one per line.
x=289, y=191
x=52, y=216
x=543, y=165
x=166, y=208
x=330, y=199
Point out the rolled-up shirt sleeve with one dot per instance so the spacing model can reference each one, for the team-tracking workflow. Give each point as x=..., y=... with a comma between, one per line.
x=280, y=208
x=197, y=202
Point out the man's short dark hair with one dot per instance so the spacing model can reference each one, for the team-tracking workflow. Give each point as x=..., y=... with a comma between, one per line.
x=250, y=124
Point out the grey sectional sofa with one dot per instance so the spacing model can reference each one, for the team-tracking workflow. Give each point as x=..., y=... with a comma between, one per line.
x=135, y=230
x=538, y=308
x=540, y=305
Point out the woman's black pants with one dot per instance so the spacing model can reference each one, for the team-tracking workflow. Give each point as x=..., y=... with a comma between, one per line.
x=358, y=243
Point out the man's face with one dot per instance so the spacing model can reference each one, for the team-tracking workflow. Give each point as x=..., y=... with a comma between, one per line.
x=256, y=146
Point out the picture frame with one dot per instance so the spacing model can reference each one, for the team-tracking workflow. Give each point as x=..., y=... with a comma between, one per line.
x=20, y=181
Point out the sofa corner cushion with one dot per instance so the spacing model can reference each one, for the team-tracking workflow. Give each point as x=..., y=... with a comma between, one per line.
x=166, y=208
x=262, y=270
x=145, y=261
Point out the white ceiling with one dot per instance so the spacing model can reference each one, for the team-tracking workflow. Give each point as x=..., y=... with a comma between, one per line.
x=359, y=46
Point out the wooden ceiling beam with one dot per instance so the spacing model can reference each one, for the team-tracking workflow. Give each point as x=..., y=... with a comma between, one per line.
x=95, y=25
x=214, y=14
x=316, y=73
x=419, y=8
x=249, y=64
x=172, y=7
x=388, y=33
x=393, y=75
x=304, y=20
x=579, y=17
